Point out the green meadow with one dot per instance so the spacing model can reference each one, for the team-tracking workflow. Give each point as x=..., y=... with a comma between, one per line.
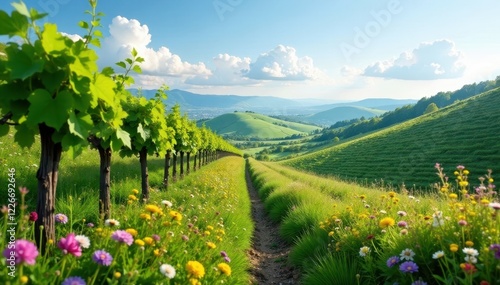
x=463, y=133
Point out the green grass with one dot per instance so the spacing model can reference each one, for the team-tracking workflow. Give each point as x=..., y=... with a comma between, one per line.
x=346, y=217
x=213, y=202
x=331, y=116
x=464, y=133
x=256, y=125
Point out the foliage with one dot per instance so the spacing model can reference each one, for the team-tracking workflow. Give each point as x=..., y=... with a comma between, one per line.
x=431, y=108
x=451, y=234
x=205, y=202
x=403, y=154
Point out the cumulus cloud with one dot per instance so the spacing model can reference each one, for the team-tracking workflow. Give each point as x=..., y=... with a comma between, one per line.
x=73, y=37
x=282, y=63
x=435, y=60
x=229, y=70
x=127, y=34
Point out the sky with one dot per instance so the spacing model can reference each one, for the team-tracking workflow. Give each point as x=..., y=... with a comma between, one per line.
x=327, y=49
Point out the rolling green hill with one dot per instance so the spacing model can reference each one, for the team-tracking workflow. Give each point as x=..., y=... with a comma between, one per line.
x=342, y=113
x=252, y=125
x=465, y=133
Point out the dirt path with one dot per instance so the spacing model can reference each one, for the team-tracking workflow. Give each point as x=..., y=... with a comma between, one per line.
x=269, y=254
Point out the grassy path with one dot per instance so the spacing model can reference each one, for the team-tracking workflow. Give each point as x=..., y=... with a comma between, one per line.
x=269, y=253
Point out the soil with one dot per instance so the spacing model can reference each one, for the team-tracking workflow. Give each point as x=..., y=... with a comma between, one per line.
x=269, y=253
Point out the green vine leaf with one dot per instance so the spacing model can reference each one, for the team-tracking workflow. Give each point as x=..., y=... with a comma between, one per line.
x=42, y=104
x=80, y=124
x=22, y=9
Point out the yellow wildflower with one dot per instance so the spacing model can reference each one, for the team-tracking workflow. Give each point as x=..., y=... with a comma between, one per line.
x=139, y=242
x=145, y=216
x=452, y=196
x=153, y=209
x=135, y=191
x=117, y=275
x=24, y=279
x=211, y=245
x=469, y=243
x=387, y=222
x=175, y=215
x=453, y=247
x=149, y=240
x=195, y=269
x=131, y=231
x=224, y=268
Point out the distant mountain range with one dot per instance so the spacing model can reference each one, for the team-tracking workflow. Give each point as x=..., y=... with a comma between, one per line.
x=199, y=106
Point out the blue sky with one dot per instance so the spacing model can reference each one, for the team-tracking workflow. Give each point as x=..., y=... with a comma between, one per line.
x=330, y=49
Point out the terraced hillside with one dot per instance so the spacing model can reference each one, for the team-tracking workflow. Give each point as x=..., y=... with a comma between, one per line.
x=256, y=125
x=465, y=133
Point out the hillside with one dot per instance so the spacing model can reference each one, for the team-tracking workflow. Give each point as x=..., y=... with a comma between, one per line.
x=464, y=133
x=342, y=113
x=252, y=125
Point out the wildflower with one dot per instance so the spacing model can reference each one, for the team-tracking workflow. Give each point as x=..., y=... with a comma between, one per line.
x=149, y=240
x=419, y=282
x=73, y=280
x=24, y=279
x=175, y=215
x=135, y=191
x=438, y=254
x=403, y=232
x=153, y=209
x=33, y=216
x=393, y=260
x=364, y=251
x=402, y=213
x=70, y=245
x=407, y=254
x=156, y=237
x=469, y=243
x=453, y=247
x=495, y=206
x=167, y=270
x=402, y=224
x=145, y=216
x=131, y=231
x=132, y=198
x=224, y=268
x=185, y=238
x=470, y=259
x=117, y=275
x=83, y=241
x=468, y=268
x=438, y=219
x=166, y=203
x=23, y=190
x=195, y=269
x=123, y=237
x=470, y=251
x=61, y=218
x=211, y=245
x=462, y=223
x=23, y=251
x=408, y=267
x=139, y=242
x=90, y=225
x=112, y=223
x=102, y=257
x=496, y=248
x=387, y=222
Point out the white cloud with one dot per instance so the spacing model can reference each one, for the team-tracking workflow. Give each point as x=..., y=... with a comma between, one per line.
x=282, y=63
x=73, y=37
x=127, y=34
x=436, y=60
x=229, y=70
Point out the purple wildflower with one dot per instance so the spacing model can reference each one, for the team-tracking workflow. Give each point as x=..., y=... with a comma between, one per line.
x=22, y=251
x=419, y=282
x=496, y=248
x=101, y=257
x=393, y=260
x=223, y=254
x=402, y=224
x=74, y=280
x=90, y=225
x=156, y=237
x=408, y=267
x=61, y=218
x=123, y=236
